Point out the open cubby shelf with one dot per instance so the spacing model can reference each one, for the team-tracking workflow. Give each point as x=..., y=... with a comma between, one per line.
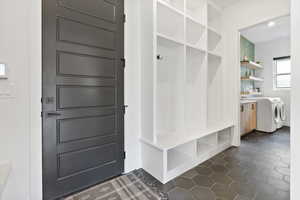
x=176, y=5
x=183, y=121
x=183, y=157
x=173, y=30
x=169, y=84
x=214, y=17
x=194, y=80
x=195, y=34
x=214, y=41
x=214, y=94
x=179, y=155
x=196, y=9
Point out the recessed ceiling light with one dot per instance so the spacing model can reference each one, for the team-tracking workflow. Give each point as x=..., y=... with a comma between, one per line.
x=271, y=24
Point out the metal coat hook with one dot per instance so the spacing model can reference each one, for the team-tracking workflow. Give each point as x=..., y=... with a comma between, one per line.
x=159, y=57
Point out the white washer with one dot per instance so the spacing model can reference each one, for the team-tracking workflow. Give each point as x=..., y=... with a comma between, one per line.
x=271, y=113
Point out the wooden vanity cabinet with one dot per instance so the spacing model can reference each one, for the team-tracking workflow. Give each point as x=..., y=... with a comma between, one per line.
x=248, y=118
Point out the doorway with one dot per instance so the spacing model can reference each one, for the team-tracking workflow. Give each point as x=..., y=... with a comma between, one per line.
x=82, y=94
x=265, y=79
x=265, y=76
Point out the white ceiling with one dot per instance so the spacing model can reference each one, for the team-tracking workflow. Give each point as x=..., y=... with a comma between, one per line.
x=263, y=33
x=225, y=3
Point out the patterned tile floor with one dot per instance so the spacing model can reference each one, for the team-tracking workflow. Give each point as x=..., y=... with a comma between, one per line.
x=258, y=170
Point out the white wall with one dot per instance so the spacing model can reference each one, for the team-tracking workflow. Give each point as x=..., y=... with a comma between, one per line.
x=132, y=86
x=295, y=107
x=265, y=52
x=14, y=112
x=20, y=134
x=236, y=17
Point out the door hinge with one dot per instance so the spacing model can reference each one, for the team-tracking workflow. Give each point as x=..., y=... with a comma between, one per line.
x=123, y=60
x=124, y=107
x=124, y=155
x=47, y=100
x=124, y=18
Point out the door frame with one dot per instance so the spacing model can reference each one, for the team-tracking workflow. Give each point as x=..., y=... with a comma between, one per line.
x=238, y=74
x=132, y=89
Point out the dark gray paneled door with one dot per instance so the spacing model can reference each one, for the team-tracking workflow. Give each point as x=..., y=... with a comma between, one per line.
x=83, y=94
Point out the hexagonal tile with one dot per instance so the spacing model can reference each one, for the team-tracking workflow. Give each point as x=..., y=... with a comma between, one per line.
x=243, y=189
x=283, y=170
x=204, y=181
x=167, y=187
x=221, y=178
x=203, y=170
x=237, y=176
x=219, y=168
x=279, y=184
x=180, y=194
x=207, y=163
x=286, y=179
x=283, y=195
x=223, y=192
x=201, y=193
x=190, y=174
x=184, y=183
x=239, y=197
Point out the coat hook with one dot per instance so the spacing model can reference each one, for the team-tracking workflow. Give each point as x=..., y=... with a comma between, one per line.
x=159, y=57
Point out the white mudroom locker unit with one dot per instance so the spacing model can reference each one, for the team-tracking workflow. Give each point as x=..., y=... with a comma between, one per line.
x=183, y=86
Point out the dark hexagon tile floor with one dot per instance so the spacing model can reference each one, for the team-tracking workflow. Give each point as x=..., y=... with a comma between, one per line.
x=258, y=170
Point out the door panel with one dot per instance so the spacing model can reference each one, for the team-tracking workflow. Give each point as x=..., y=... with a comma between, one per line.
x=78, y=161
x=71, y=129
x=100, y=9
x=79, y=33
x=83, y=94
x=72, y=64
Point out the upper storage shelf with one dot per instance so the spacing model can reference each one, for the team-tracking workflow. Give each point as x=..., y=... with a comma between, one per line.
x=214, y=17
x=214, y=41
x=176, y=5
x=169, y=22
x=214, y=37
x=195, y=34
x=196, y=9
x=251, y=65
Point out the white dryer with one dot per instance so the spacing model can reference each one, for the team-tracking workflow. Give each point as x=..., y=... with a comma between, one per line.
x=268, y=114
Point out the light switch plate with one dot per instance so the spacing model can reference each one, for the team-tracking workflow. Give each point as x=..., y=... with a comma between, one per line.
x=3, y=71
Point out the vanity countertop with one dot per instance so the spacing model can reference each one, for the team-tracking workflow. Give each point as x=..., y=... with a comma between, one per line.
x=245, y=101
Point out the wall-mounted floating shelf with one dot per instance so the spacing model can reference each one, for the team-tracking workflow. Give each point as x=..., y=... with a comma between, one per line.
x=251, y=65
x=183, y=86
x=248, y=94
x=252, y=78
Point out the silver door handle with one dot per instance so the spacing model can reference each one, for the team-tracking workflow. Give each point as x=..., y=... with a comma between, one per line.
x=53, y=114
